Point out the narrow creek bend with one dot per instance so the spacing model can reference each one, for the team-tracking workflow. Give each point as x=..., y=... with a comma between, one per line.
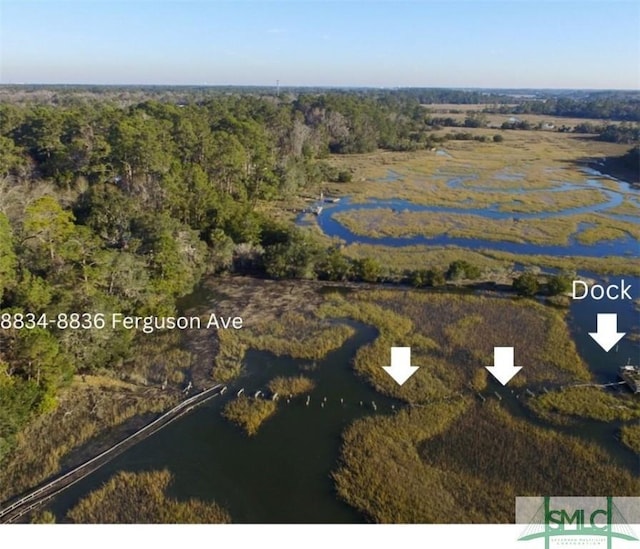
x=283, y=473
x=621, y=246
x=280, y=475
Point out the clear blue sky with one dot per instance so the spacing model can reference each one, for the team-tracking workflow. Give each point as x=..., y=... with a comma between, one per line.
x=517, y=43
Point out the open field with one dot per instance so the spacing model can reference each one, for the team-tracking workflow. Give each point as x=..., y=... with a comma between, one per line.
x=460, y=112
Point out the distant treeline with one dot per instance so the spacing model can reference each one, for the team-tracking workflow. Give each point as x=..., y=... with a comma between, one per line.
x=623, y=132
x=605, y=108
x=113, y=207
x=108, y=206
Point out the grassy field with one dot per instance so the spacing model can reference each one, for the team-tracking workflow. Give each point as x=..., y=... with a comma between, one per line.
x=459, y=112
x=141, y=498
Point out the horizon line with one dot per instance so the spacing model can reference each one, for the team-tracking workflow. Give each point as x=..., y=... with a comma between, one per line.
x=311, y=86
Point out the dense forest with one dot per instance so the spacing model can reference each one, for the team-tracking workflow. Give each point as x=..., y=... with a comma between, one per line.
x=108, y=208
x=113, y=205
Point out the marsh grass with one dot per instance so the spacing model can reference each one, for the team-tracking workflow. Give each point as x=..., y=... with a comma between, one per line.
x=585, y=402
x=249, y=413
x=630, y=436
x=86, y=410
x=381, y=472
x=157, y=358
x=543, y=160
x=141, y=498
x=490, y=444
x=606, y=228
x=452, y=336
x=290, y=333
x=461, y=462
x=493, y=262
x=383, y=222
x=613, y=265
x=409, y=258
x=294, y=385
x=297, y=335
x=626, y=208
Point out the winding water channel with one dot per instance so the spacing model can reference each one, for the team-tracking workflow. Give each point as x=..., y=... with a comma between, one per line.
x=282, y=475
x=623, y=246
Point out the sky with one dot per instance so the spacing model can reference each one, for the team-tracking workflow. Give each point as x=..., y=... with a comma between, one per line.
x=592, y=44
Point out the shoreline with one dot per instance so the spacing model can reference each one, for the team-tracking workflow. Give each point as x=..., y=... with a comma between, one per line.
x=612, y=167
x=297, y=292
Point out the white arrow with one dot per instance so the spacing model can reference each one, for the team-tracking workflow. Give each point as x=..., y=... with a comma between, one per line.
x=607, y=335
x=400, y=369
x=503, y=369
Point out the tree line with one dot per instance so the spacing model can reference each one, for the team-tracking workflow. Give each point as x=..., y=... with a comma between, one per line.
x=111, y=206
